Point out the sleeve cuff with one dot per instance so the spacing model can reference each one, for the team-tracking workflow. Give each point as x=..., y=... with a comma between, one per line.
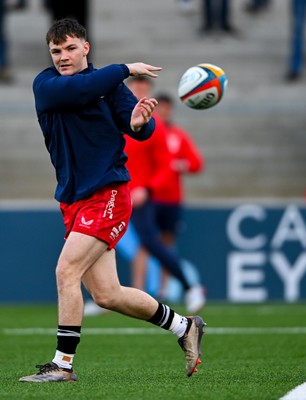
x=126, y=71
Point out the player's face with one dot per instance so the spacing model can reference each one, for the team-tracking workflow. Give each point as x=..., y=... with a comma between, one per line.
x=70, y=57
x=140, y=89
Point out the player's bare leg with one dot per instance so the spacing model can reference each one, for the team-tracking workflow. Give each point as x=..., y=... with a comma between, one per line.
x=79, y=253
x=103, y=284
x=86, y=258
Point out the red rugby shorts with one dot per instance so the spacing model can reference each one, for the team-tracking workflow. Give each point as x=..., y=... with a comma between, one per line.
x=104, y=215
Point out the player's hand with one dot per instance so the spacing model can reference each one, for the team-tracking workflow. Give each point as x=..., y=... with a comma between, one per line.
x=142, y=113
x=139, y=196
x=137, y=69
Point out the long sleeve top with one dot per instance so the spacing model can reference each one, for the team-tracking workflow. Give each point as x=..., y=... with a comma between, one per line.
x=83, y=119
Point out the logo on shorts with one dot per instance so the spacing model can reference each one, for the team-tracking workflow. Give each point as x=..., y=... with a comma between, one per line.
x=110, y=205
x=116, y=231
x=85, y=223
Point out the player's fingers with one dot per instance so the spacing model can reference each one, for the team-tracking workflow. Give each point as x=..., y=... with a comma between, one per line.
x=147, y=109
x=144, y=69
x=153, y=101
x=148, y=103
x=150, y=69
x=151, y=74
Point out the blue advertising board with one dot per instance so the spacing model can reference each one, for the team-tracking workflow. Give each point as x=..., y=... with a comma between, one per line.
x=249, y=252
x=243, y=252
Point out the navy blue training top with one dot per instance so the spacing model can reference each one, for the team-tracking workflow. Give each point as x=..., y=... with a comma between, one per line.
x=83, y=118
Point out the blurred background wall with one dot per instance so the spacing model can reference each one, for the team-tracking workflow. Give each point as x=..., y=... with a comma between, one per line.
x=254, y=141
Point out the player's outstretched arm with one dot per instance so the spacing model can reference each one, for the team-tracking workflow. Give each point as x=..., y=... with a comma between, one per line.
x=139, y=68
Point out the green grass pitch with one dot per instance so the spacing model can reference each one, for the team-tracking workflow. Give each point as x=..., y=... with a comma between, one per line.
x=254, y=361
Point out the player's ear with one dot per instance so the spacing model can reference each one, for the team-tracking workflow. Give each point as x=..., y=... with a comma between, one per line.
x=86, y=48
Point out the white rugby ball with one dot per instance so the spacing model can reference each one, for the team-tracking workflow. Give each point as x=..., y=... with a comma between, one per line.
x=202, y=86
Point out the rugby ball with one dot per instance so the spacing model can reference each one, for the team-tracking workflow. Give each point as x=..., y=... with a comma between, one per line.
x=202, y=86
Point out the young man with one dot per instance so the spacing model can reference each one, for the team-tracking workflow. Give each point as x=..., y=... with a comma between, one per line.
x=83, y=113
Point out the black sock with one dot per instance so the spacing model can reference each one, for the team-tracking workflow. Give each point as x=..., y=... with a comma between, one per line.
x=163, y=316
x=68, y=337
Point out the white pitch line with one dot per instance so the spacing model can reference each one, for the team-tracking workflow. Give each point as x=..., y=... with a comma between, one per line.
x=155, y=331
x=298, y=393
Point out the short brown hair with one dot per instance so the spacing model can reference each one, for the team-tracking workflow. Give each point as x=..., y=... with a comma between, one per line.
x=164, y=97
x=62, y=28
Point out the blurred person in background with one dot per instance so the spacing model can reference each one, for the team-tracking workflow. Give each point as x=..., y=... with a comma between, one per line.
x=152, y=172
x=297, y=47
x=84, y=113
x=215, y=15
x=168, y=198
x=78, y=10
x=6, y=75
x=5, y=69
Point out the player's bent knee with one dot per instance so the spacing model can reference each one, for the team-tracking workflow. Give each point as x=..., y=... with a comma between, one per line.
x=106, y=300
